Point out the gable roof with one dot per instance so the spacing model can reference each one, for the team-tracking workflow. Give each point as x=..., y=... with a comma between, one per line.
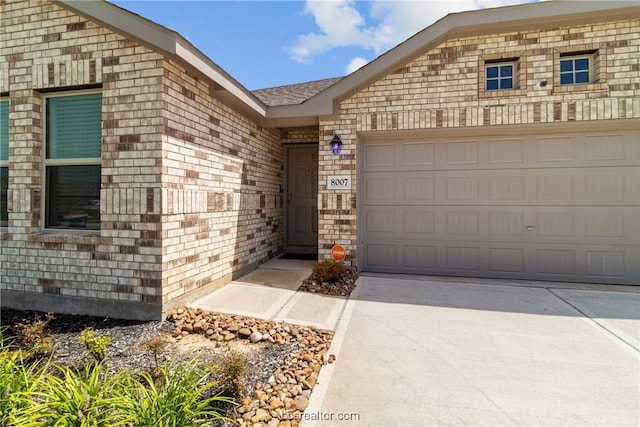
x=305, y=104
x=531, y=16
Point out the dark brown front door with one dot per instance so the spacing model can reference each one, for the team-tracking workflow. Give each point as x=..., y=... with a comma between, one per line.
x=302, y=195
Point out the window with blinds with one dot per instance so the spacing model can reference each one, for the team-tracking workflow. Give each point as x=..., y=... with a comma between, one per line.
x=72, y=161
x=4, y=160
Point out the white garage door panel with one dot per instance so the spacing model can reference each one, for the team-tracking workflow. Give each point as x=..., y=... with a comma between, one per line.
x=558, y=186
x=563, y=262
x=614, y=148
x=552, y=207
x=527, y=224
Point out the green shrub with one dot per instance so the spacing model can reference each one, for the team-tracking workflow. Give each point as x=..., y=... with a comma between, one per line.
x=38, y=394
x=180, y=397
x=18, y=381
x=33, y=338
x=232, y=367
x=156, y=345
x=329, y=270
x=70, y=398
x=95, y=344
x=6, y=342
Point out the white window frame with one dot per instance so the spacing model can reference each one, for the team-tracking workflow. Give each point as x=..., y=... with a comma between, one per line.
x=514, y=70
x=88, y=161
x=570, y=57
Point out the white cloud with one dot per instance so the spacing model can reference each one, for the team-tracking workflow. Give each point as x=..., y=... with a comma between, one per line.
x=340, y=24
x=355, y=64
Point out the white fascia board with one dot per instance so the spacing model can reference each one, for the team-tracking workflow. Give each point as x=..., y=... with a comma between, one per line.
x=198, y=60
x=124, y=22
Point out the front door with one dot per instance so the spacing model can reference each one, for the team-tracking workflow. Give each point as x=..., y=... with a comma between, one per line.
x=302, y=195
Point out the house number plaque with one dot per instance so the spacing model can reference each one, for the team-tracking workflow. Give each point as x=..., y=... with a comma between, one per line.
x=339, y=182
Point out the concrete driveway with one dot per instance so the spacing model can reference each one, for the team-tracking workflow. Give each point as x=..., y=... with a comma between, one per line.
x=434, y=353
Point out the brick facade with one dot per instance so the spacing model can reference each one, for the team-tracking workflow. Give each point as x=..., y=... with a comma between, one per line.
x=221, y=179
x=444, y=89
x=190, y=191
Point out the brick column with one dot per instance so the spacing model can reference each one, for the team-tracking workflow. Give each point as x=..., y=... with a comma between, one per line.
x=25, y=162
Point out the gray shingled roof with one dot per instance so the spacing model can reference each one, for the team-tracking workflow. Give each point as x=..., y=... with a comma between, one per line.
x=293, y=94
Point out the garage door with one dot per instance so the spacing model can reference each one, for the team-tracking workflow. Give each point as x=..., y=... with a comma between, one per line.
x=559, y=206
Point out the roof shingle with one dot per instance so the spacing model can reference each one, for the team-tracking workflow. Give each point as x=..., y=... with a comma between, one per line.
x=293, y=94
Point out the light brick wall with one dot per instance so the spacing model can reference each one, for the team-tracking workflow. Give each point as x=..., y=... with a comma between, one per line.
x=440, y=89
x=190, y=191
x=300, y=135
x=222, y=175
x=49, y=49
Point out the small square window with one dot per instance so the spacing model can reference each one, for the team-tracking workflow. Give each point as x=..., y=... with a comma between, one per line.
x=575, y=70
x=499, y=76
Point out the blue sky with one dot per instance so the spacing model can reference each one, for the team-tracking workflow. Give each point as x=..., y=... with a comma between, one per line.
x=273, y=43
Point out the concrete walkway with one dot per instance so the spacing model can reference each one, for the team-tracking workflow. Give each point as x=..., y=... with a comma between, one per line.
x=270, y=292
x=443, y=353
x=426, y=351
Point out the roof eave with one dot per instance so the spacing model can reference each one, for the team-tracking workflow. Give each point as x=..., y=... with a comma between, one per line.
x=325, y=104
x=291, y=122
x=170, y=43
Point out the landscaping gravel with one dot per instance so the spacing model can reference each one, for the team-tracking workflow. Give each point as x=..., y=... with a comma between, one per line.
x=283, y=360
x=343, y=287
